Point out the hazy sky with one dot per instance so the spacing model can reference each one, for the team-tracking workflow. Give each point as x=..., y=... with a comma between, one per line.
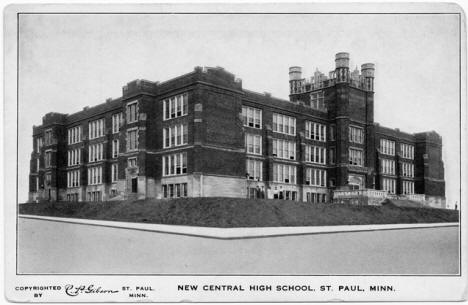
x=71, y=61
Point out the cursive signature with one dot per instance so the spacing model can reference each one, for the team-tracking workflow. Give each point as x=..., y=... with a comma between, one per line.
x=73, y=291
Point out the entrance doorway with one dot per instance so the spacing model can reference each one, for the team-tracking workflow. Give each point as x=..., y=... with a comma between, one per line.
x=256, y=193
x=356, y=182
x=134, y=185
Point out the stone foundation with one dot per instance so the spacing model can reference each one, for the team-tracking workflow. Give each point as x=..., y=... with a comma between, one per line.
x=435, y=202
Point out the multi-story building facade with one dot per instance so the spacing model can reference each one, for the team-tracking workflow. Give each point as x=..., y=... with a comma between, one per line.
x=201, y=134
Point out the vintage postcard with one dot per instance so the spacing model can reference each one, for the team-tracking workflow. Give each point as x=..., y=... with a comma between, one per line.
x=235, y=152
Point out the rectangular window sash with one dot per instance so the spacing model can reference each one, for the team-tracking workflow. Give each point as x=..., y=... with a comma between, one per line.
x=166, y=109
x=165, y=138
x=244, y=116
x=179, y=105
x=173, y=108
x=258, y=119
x=250, y=117
x=174, y=164
x=176, y=138
x=257, y=145
x=185, y=104
x=184, y=163
x=185, y=134
x=114, y=172
x=172, y=135
x=284, y=124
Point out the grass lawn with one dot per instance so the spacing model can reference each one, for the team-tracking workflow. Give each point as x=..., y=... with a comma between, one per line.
x=238, y=212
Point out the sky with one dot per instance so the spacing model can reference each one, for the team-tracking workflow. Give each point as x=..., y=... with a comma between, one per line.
x=67, y=62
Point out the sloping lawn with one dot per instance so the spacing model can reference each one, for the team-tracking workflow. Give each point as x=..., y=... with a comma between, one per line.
x=237, y=212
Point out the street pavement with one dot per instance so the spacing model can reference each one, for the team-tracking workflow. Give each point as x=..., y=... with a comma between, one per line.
x=57, y=247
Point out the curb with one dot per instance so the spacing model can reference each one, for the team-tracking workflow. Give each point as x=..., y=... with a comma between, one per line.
x=239, y=233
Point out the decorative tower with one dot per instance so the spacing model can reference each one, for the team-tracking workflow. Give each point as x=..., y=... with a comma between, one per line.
x=295, y=80
x=367, y=71
x=342, y=67
x=341, y=117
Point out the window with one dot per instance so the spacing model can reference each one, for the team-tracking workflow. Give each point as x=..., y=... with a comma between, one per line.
x=255, y=192
x=175, y=135
x=284, y=149
x=175, y=106
x=115, y=148
x=290, y=195
x=34, y=183
x=176, y=190
x=132, y=162
x=254, y=170
x=285, y=195
x=74, y=135
x=73, y=178
x=74, y=157
x=407, y=169
x=132, y=112
x=132, y=139
x=407, y=151
x=332, y=131
x=96, y=129
x=48, y=179
x=72, y=197
x=252, y=117
x=316, y=177
x=315, y=154
x=48, y=138
x=284, y=173
x=316, y=131
x=117, y=121
x=178, y=106
x=39, y=142
x=408, y=187
x=114, y=172
x=48, y=159
x=356, y=135
x=96, y=152
x=389, y=185
x=253, y=144
x=38, y=162
x=316, y=197
x=95, y=175
x=387, y=167
x=175, y=164
x=332, y=155
x=94, y=196
x=284, y=124
x=317, y=100
x=387, y=147
x=356, y=157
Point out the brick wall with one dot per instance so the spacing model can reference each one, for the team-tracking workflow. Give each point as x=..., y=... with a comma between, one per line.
x=216, y=133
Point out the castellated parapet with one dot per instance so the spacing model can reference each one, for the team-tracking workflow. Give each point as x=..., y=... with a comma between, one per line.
x=360, y=79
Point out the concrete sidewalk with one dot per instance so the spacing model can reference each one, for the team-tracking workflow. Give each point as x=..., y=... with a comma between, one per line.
x=238, y=233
